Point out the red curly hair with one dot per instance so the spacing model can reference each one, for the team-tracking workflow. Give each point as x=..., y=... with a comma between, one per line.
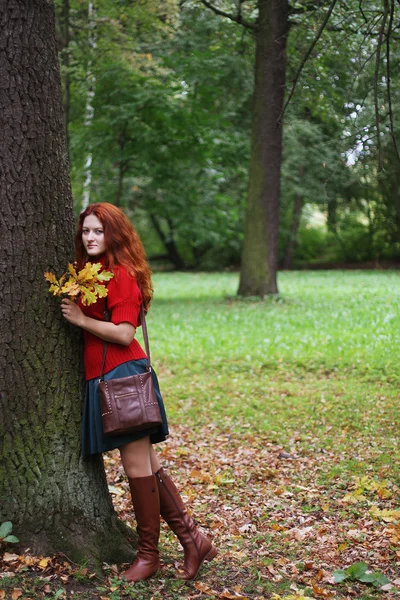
x=123, y=245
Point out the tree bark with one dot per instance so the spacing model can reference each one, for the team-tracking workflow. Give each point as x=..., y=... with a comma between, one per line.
x=56, y=500
x=260, y=247
x=65, y=60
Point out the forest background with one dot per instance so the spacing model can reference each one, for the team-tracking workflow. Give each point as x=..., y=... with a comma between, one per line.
x=158, y=103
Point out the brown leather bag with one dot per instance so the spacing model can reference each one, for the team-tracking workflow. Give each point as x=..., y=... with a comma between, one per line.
x=128, y=404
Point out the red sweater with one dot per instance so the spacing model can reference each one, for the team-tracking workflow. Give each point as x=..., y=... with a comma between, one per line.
x=123, y=299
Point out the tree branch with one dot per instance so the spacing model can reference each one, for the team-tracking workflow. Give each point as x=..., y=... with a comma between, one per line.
x=361, y=10
x=307, y=7
x=237, y=18
x=376, y=77
x=303, y=62
x=388, y=84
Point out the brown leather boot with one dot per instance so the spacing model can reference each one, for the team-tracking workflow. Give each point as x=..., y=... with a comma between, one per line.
x=196, y=546
x=146, y=502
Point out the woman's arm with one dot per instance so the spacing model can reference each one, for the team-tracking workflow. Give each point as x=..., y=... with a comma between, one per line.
x=123, y=333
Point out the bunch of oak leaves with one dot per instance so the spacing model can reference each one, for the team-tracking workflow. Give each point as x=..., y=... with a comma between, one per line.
x=88, y=283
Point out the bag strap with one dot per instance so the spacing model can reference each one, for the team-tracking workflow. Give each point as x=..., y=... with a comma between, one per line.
x=145, y=336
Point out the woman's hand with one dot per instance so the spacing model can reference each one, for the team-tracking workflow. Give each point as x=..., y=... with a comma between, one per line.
x=123, y=333
x=72, y=312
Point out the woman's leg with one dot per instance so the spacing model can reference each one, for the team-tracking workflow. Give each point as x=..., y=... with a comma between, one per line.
x=197, y=547
x=155, y=461
x=135, y=458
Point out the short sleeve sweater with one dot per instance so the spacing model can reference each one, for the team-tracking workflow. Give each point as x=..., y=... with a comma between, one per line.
x=123, y=299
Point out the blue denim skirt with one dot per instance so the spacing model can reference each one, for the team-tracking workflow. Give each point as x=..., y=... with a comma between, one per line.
x=93, y=439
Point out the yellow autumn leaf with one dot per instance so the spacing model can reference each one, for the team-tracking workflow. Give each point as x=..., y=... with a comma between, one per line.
x=354, y=497
x=44, y=563
x=71, y=270
x=375, y=485
x=88, y=283
x=105, y=276
x=71, y=288
x=100, y=290
x=55, y=290
x=88, y=272
x=394, y=531
x=363, y=483
x=381, y=488
x=205, y=589
x=388, y=516
x=384, y=493
x=87, y=296
x=50, y=277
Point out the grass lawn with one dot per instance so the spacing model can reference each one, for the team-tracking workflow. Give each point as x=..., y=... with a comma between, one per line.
x=316, y=369
x=284, y=419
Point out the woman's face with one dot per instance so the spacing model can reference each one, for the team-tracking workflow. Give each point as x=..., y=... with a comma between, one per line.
x=93, y=236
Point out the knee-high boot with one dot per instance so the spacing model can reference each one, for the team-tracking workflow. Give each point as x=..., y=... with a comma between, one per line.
x=196, y=546
x=146, y=502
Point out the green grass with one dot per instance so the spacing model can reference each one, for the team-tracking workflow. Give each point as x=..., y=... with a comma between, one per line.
x=316, y=368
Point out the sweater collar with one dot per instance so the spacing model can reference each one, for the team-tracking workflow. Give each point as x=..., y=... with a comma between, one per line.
x=102, y=259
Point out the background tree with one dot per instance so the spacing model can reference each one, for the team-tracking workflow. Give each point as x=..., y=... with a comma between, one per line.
x=260, y=245
x=56, y=501
x=171, y=132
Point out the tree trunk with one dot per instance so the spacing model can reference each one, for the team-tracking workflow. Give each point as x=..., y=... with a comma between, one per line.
x=65, y=60
x=56, y=500
x=260, y=246
x=332, y=215
x=396, y=201
x=169, y=243
x=122, y=168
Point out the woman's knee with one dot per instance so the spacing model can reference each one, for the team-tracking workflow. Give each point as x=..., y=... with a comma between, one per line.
x=135, y=458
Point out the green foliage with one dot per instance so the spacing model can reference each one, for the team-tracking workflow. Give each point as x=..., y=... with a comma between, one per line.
x=359, y=572
x=5, y=533
x=311, y=245
x=168, y=137
x=170, y=133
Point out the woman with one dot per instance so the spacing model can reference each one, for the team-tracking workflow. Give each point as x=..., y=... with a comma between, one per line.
x=106, y=235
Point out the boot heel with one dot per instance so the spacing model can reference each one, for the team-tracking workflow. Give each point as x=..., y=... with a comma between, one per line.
x=211, y=554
